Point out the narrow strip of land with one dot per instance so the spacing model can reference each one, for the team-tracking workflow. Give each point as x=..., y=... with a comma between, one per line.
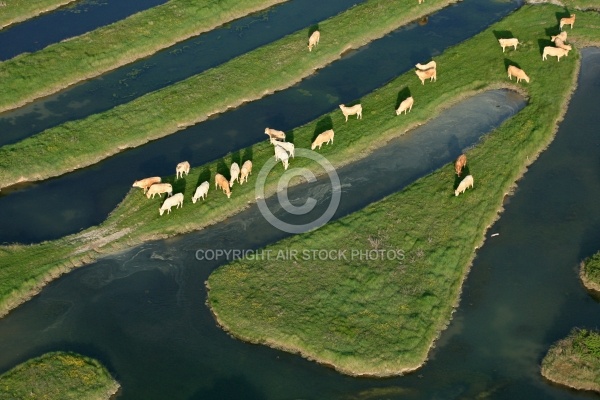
x=58, y=375
x=589, y=272
x=381, y=317
x=30, y=76
x=14, y=11
x=248, y=77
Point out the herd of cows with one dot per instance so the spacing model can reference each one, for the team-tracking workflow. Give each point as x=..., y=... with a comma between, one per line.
x=284, y=150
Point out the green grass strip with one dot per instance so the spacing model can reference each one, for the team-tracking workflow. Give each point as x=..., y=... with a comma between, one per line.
x=59, y=375
x=272, y=67
x=30, y=76
x=575, y=361
x=13, y=11
x=381, y=317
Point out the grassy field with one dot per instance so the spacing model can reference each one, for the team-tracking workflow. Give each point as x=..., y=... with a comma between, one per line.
x=575, y=361
x=33, y=75
x=19, y=10
x=84, y=142
x=590, y=272
x=381, y=317
x=65, y=376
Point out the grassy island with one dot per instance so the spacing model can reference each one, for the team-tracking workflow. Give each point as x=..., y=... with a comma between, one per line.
x=242, y=79
x=575, y=361
x=589, y=272
x=15, y=11
x=65, y=376
x=374, y=318
x=33, y=75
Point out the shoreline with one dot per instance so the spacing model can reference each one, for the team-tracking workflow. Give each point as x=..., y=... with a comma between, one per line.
x=34, y=13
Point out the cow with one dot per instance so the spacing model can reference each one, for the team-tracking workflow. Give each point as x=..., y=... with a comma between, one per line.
x=356, y=109
x=175, y=200
x=201, y=191
x=459, y=164
x=324, y=137
x=464, y=185
x=518, y=73
x=223, y=183
x=182, y=168
x=246, y=170
x=405, y=106
x=147, y=182
x=313, y=40
x=159, y=189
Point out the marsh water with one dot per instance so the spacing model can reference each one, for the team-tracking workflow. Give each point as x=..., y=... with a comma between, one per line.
x=142, y=312
x=67, y=209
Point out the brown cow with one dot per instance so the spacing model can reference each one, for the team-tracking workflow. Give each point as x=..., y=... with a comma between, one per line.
x=147, y=182
x=460, y=163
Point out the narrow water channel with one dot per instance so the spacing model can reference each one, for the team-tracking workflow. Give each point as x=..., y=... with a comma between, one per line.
x=66, y=22
x=142, y=312
x=56, y=207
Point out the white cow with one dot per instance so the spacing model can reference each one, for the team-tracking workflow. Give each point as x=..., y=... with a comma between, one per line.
x=508, y=42
x=281, y=154
x=287, y=146
x=246, y=170
x=159, y=189
x=429, y=65
x=555, y=52
x=175, y=200
x=182, y=168
x=518, y=73
x=201, y=191
x=464, y=185
x=405, y=105
x=275, y=134
x=324, y=137
x=234, y=172
x=313, y=40
x=356, y=109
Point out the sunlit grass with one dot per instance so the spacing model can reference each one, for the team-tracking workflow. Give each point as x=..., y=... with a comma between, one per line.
x=65, y=376
x=271, y=67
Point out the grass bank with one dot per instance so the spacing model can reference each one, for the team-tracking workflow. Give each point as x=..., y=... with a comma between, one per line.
x=589, y=272
x=381, y=317
x=15, y=11
x=272, y=67
x=575, y=361
x=33, y=75
x=65, y=376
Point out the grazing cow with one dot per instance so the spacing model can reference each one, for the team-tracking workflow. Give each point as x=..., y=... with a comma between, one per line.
x=464, y=185
x=405, y=106
x=459, y=164
x=201, y=191
x=430, y=73
x=508, y=42
x=518, y=73
x=234, y=172
x=175, y=200
x=567, y=21
x=554, y=51
x=159, y=189
x=313, y=40
x=562, y=36
x=424, y=67
x=223, y=183
x=287, y=146
x=281, y=154
x=182, y=168
x=356, y=109
x=561, y=45
x=324, y=137
x=146, y=183
x=246, y=170
x=274, y=134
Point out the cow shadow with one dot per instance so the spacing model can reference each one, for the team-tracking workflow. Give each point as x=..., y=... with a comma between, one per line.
x=222, y=167
x=508, y=62
x=323, y=124
x=203, y=176
x=179, y=185
x=236, y=157
x=544, y=43
x=552, y=31
x=248, y=154
x=503, y=34
x=403, y=94
x=289, y=136
x=312, y=30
